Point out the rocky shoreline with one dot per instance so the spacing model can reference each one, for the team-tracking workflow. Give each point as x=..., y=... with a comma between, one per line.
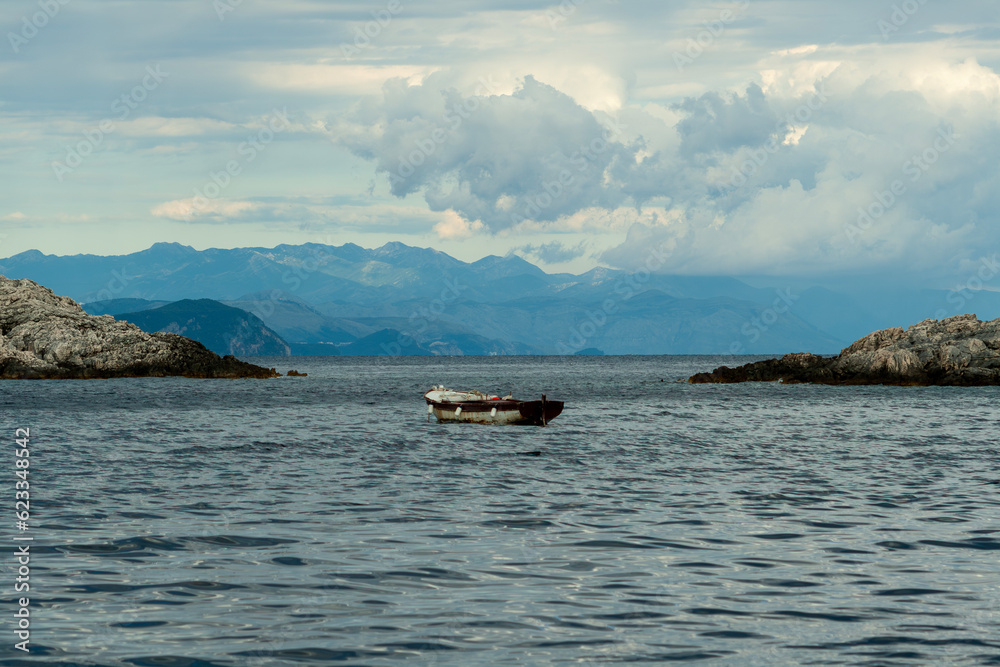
x=46, y=336
x=958, y=351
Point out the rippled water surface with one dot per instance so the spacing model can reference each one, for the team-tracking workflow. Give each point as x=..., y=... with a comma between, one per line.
x=323, y=520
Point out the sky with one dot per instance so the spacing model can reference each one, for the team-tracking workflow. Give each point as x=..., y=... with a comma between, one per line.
x=825, y=141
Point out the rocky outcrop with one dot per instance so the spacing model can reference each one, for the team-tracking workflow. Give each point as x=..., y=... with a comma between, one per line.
x=45, y=336
x=960, y=351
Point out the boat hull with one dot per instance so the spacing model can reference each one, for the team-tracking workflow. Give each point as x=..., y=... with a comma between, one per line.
x=536, y=413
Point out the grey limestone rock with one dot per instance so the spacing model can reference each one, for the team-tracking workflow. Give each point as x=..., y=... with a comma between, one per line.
x=960, y=351
x=46, y=336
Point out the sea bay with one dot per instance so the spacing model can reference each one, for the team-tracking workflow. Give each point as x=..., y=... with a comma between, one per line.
x=324, y=519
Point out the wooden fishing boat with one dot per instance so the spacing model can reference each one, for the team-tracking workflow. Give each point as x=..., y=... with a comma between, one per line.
x=473, y=406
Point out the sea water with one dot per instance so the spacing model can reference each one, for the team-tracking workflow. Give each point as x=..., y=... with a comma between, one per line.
x=324, y=520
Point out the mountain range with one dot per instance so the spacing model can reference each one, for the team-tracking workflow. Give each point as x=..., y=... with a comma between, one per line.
x=221, y=328
x=398, y=299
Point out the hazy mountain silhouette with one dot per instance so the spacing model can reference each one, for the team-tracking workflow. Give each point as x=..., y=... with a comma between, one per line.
x=325, y=299
x=222, y=329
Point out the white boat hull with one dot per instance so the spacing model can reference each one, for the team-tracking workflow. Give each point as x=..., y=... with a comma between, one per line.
x=448, y=413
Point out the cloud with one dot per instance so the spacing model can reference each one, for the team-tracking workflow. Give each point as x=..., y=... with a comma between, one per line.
x=551, y=253
x=203, y=209
x=788, y=175
x=715, y=123
x=533, y=154
x=890, y=171
x=154, y=126
x=594, y=220
x=453, y=226
x=306, y=213
x=329, y=78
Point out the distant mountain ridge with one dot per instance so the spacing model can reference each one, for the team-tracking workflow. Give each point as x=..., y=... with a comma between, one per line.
x=319, y=298
x=221, y=328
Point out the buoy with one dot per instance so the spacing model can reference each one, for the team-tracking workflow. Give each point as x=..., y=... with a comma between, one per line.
x=458, y=410
x=493, y=412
